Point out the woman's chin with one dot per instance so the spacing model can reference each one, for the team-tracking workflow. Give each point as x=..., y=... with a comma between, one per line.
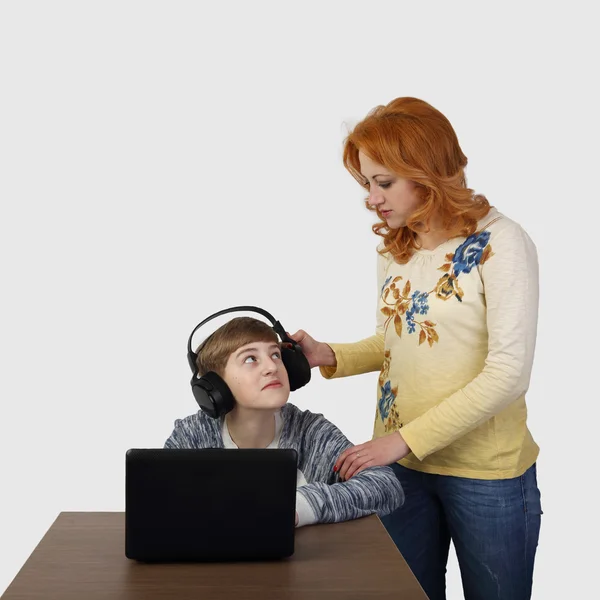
x=395, y=223
x=393, y=220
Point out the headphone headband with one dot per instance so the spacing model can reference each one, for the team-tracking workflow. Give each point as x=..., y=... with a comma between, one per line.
x=276, y=326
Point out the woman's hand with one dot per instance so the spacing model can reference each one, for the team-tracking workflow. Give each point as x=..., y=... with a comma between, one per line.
x=377, y=453
x=318, y=354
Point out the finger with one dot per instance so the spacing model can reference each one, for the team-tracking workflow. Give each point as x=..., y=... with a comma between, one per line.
x=346, y=453
x=342, y=457
x=350, y=464
x=351, y=450
x=358, y=466
x=342, y=467
x=346, y=459
x=369, y=463
x=346, y=465
x=298, y=336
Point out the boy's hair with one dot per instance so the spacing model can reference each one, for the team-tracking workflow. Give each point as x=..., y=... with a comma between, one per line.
x=215, y=351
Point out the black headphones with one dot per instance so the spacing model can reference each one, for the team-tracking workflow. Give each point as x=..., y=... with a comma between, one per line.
x=210, y=391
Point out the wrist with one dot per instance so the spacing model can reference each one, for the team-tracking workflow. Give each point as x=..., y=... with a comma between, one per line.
x=405, y=449
x=328, y=358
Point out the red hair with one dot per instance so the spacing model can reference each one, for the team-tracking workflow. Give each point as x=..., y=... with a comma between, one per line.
x=417, y=142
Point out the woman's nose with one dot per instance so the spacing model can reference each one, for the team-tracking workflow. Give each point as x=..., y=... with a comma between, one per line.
x=375, y=198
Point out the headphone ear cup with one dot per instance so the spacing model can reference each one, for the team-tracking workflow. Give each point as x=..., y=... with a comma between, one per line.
x=212, y=395
x=296, y=365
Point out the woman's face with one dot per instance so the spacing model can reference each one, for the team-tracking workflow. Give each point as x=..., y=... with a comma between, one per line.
x=394, y=197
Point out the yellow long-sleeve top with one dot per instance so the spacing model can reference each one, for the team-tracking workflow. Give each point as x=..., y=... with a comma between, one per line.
x=454, y=344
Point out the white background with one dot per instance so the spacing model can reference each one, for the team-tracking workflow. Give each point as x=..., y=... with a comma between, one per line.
x=160, y=161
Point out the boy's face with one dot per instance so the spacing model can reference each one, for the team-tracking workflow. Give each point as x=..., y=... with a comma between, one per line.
x=257, y=377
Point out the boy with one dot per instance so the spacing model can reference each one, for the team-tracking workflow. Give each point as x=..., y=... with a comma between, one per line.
x=246, y=353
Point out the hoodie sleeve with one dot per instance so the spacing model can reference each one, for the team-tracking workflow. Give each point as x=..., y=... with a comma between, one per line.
x=374, y=490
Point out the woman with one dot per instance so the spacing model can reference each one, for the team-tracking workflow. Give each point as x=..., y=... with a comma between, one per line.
x=454, y=345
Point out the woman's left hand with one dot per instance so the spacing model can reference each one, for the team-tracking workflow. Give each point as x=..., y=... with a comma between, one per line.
x=377, y=453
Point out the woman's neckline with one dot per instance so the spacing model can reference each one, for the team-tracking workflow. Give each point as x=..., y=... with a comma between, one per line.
x=435, y=250
x=457, y=240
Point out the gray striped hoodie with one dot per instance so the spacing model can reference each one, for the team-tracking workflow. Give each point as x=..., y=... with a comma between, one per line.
x=319, y=444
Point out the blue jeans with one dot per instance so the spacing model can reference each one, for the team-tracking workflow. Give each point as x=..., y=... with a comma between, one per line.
x=494, y=526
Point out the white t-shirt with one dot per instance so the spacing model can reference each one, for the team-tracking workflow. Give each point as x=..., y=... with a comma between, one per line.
x=306, y=515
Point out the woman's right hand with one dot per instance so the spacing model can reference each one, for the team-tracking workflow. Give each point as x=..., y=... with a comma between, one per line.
x=318, y=354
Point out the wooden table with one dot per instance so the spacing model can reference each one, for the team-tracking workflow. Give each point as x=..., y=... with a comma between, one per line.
x=82, y=557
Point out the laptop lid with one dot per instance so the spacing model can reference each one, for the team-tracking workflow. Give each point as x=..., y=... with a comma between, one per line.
x=210, y=504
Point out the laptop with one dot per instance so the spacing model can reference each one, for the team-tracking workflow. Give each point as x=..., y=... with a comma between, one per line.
x=210, y=504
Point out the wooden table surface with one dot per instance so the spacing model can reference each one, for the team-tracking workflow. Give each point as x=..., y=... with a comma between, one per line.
x=82, y=557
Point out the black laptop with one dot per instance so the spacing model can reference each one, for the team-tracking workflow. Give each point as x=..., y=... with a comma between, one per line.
x=210, y=504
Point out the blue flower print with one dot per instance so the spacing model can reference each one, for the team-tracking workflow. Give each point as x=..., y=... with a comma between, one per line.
x=420, y=305
x=386, y=400
x=469, y=253
x=410, y=320
x=405, y=306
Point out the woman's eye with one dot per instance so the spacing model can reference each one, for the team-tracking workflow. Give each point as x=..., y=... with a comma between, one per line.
x=252, y=358
x=277, y=355
x=385, y=185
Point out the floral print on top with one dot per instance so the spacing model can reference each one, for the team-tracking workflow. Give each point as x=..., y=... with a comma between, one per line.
x=474, y=251
x=411, y=305
x=386, y=406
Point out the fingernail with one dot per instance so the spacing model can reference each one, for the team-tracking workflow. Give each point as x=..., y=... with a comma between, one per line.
x=335, y=469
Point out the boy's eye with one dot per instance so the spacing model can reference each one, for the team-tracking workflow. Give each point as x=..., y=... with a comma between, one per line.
x=252, y=358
